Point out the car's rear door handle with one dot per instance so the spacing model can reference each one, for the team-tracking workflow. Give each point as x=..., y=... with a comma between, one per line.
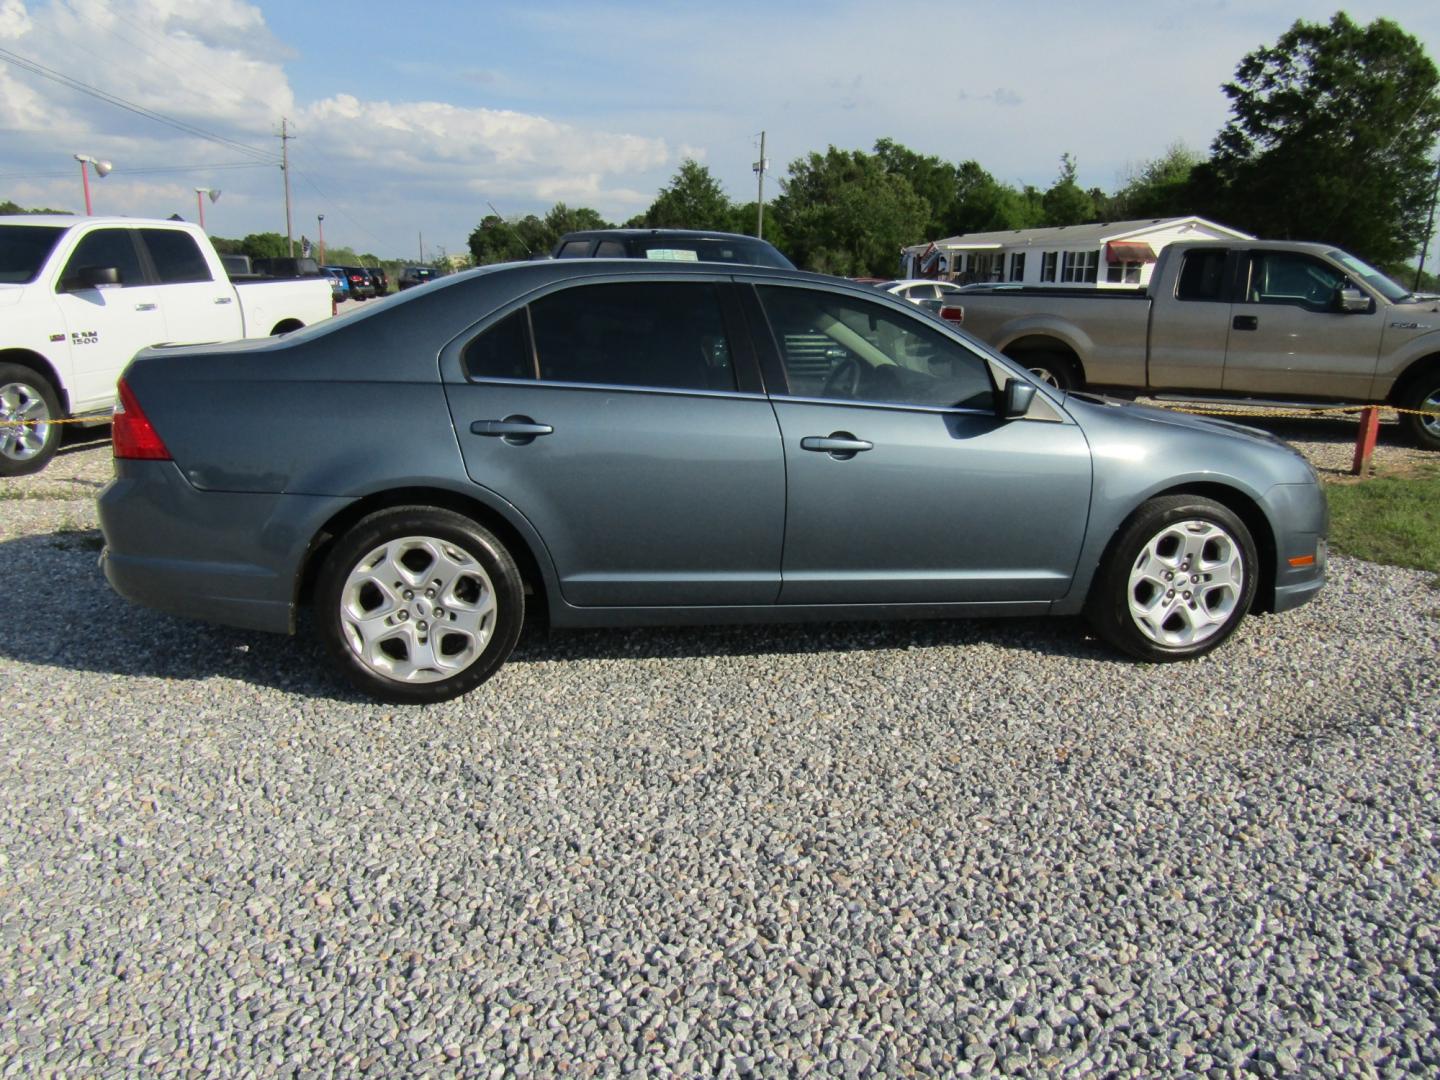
x=223, y=300
x=1246, y=322
x=516, y=430
x=146, y=307
x=838, y=444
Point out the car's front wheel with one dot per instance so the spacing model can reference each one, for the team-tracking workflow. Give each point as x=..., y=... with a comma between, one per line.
x=1177, y=581
x=418, y=605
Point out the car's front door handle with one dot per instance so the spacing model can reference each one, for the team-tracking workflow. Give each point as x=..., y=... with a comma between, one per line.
x=1246, y=322
x=839, y=444
x=223, y=300
x=146, y=307
x=516, y=430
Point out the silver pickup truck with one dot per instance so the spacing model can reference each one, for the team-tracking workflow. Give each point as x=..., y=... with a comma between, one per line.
x=1234, y=321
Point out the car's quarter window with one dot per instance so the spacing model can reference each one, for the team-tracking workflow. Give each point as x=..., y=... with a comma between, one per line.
x=1202, y=275
x=610, y=249
x=176, y=256
x=669, y=335
x=1287, y=277
x=843, y=348
x=574, y=249
x=503, y=351
x=105, y=247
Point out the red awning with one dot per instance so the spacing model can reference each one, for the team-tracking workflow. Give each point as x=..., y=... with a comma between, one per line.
x=1119, y=251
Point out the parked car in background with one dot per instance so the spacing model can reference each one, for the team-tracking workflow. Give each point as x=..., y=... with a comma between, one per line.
x=1246, y=320
x=339, y=282
x=627, y=442
x=381, y=280
x=361, y=287
x=669, y=245
x=417, y=275
x=80, y=296
x=285, y=267
x=940, y=297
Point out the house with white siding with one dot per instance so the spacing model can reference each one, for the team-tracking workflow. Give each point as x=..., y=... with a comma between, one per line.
x=1110, y=254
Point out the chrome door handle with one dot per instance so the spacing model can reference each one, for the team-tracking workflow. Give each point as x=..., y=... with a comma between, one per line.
x=224, y=300
x=146, y=307
x=839, y=443
x=515, y=430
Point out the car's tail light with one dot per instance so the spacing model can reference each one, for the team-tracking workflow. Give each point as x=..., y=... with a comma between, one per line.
x=131, y=433
x=952, y=313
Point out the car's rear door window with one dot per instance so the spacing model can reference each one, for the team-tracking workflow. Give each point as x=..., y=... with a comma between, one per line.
x=1202, y=275
x=176, y=256
x=610, y=249
x=667, y=335
x=573, y=249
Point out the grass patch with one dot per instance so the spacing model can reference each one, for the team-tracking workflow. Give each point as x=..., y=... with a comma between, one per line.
x=1392, y=519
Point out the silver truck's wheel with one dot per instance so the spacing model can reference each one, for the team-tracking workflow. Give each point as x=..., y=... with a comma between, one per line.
x=419, y=604
x=1424, y=395
x=28, y=439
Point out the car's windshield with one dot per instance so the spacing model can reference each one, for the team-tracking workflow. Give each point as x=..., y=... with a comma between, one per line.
x=1372, y=277
x=707, y=249
x=23, y=251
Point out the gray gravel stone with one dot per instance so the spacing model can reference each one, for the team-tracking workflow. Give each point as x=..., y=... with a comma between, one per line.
x=945, y=849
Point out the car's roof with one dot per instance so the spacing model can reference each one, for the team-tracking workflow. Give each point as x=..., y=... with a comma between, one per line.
x=699, y=234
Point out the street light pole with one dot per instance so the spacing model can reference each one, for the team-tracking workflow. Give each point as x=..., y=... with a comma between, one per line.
x=102, y=168
x=321, y=219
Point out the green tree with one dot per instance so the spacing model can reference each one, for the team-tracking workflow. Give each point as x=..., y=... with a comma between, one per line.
x=1066, y=203
x=1331, y=137
x=694, y=199
x=842, y=213
x=934, y=180
x=267, y=245
x=498, y=240
x=984, y=204
x=1158, y=188
x=9, y=207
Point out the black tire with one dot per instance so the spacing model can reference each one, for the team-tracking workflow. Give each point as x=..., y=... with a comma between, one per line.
x=1185, y=614
x=378, y=573
x=1423, y=393
x=25, y=394
x=1057, y=369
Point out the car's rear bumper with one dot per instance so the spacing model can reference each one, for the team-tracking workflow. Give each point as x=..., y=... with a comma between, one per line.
x=226, y=557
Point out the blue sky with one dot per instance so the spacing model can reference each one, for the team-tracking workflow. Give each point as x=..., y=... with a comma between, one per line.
x=411, y=118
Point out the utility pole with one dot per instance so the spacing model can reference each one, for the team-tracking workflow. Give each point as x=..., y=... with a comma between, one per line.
x=421, y=237
x=285, y=138
x=759, y=168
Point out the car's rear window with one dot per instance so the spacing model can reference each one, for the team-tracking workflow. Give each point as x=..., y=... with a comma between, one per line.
x=672, y=249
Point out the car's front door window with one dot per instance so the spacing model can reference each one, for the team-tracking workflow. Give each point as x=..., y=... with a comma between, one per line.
x=843, y=348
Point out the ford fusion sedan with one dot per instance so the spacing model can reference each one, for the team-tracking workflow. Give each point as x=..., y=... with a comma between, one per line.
x=618, y=443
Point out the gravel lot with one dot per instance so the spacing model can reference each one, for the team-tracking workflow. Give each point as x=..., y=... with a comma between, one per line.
x=937, y=849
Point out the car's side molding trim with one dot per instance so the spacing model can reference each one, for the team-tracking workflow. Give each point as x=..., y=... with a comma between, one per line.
x=612, y=388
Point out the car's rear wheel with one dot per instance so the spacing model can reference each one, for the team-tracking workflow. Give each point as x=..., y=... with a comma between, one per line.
x=418, y=604
x=28, y=404
x=1177, y=581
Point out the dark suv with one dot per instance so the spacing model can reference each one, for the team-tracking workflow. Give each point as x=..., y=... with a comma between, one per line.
x=381, y=280
x=669, y=245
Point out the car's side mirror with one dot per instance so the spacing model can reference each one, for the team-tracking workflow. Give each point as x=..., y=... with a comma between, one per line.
x=92, y=277
x=1015, y=399
x=1351, y=301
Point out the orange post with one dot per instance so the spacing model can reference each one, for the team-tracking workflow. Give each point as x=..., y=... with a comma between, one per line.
x=1365, y=440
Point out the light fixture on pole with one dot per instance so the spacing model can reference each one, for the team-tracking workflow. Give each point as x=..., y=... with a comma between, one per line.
x=320, y=219
x=214, y=194
x=102, y=168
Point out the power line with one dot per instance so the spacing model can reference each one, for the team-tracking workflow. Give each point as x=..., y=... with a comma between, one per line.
x=145, y=170
x=60, y=77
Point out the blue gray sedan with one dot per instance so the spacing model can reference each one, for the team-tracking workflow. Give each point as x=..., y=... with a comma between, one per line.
x=606, y=443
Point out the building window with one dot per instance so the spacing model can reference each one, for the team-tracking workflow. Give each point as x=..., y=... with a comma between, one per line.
x=1047, y=266
x=1127, y=273
x=1017, y=266
x=1080, y=266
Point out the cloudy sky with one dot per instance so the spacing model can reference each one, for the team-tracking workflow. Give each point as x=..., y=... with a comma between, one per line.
x=411, y=118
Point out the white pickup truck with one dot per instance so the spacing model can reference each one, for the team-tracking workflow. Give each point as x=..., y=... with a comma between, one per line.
x=80, y=296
